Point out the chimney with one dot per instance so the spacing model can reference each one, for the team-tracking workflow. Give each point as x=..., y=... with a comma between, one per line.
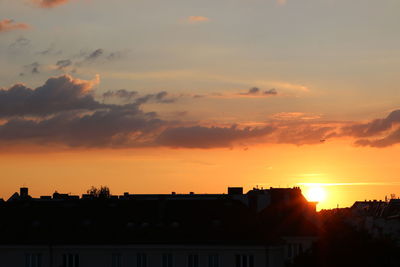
x=23, y=192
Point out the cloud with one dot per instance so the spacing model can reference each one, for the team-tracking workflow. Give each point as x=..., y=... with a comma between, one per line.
x=117, y=127
x=49, y=3
x=376, y=133
x=374, y=127
x=197, y=19
x=9, y=25
x=57, y=94
x=50, y=51
x=161, y=97
x=256, y=92
x=391, y=139
x=21, y=42
x=64, y=63
x=122, y=94
x=127, y=96
x=304, y=134
x=115, y=55
x=98, y=56
x=95, y=55
x=64, y=111
x=33, y=68
x=270, y=92
x=295, y=116
x=209, y=137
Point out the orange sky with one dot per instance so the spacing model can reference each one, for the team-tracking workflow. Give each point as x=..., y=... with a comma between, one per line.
x=365, y=173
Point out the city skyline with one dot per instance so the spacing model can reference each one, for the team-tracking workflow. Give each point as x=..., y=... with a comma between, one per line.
x=155, y=97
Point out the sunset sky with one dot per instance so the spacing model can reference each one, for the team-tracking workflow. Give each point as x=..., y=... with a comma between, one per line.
x=152, y=96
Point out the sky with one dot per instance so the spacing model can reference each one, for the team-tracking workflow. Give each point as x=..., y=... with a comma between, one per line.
x=151, y=96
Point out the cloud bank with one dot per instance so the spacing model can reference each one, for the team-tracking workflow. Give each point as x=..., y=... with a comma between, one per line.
x=376, y=133
x=209, y=137
x=58, y=94
x=65, y=112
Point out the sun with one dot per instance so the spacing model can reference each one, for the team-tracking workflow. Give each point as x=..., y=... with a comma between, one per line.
x=315, y=193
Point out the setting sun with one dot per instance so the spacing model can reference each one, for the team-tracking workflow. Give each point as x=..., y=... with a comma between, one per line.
x=316, y=193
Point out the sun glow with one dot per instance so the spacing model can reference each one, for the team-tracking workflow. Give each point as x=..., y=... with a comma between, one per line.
x=316, y=193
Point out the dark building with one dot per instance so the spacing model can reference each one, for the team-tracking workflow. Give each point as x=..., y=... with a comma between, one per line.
x=264, y=227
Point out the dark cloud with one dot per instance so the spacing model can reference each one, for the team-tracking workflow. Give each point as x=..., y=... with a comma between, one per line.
x=64, y=111
x=255, y=91
x=251, y=91
x=374, y=127
x=209, y=137
x=116, y=127
x=270, y=92
x=122, y=93
x=98, y=56
x=376, y=133
x=57, y=94
x=389, y=140
x=161, y=97
x=32, y=68
x=62, y=64
x=95, y=55
x=125, y=95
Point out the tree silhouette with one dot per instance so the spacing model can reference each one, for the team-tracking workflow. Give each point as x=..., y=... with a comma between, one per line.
x=102, y=192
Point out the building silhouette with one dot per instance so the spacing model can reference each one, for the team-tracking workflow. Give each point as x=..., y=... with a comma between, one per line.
x=263, y=227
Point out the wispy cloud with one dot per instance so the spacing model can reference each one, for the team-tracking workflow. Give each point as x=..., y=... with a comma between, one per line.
x=295, y=116
x=9, y=25
x=186, y=74
x=49, y=3
x=197, y=19
x=257, y=92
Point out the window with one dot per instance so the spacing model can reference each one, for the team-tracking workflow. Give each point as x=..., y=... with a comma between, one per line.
x=167, y=260
x=213, y=260
x=294, y=249
x=116, y=260
x=193, y=260
x=33, y=260
x=141, y=260
x=244, y=260
x=70, y=260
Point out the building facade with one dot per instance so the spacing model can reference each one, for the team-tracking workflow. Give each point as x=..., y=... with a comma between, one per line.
x=262, y=228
